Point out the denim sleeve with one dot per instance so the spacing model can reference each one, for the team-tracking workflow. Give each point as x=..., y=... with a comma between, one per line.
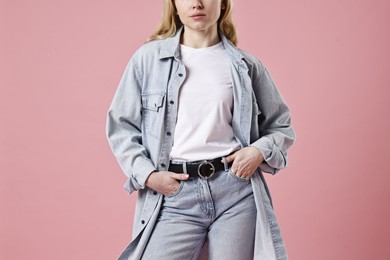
x=276, y=132
x=123, y=129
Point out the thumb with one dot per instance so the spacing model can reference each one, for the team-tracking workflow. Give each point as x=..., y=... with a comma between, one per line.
x=180, y=177
x=230, y=158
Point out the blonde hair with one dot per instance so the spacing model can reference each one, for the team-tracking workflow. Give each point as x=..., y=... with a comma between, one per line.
x=170, y=22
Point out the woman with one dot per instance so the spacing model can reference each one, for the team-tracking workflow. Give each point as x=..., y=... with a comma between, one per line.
x=194, y=123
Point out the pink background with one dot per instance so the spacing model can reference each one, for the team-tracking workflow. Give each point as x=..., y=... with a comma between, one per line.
x=61, y=193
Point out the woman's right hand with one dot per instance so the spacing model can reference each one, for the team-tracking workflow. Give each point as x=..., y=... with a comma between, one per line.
x=165, y=182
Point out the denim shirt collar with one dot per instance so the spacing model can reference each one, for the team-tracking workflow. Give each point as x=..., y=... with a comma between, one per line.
x=171, y=48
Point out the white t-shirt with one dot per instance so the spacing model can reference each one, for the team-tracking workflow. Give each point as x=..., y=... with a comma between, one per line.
x=204, y=121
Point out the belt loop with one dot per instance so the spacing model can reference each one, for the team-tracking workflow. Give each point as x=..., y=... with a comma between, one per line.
x=184, y=167
x=225, y=163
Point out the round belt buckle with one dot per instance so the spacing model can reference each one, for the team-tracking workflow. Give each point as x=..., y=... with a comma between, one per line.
x=206, y=166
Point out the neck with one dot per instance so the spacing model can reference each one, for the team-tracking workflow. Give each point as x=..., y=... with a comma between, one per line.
x=200, y=39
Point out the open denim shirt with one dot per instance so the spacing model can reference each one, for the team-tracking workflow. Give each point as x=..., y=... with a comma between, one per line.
x=141, y=124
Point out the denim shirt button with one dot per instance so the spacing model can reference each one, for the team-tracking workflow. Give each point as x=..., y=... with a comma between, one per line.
x=142, y=222
x=169, y=134
x=163, y=165
x=154, y=192
x=180, y=74
x=171, y=102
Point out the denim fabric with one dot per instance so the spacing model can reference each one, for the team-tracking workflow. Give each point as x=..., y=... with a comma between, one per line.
x=221, y=209
x=141, y=124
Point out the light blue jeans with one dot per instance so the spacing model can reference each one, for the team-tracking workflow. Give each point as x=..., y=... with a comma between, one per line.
x=220, y=211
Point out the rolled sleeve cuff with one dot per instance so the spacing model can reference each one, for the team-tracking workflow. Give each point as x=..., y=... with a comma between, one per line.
x=273, y=158
x=137, y=180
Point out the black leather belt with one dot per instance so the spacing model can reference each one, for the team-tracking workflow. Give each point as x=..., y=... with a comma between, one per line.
x=202, y=169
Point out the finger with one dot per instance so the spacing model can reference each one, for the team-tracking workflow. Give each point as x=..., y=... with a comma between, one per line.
x=242, y=171
x=230, y=158
x=180, y=177
x=249, y=173
x=234, y=168
x=241, y=174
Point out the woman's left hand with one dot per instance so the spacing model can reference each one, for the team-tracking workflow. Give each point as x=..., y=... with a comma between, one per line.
x=245, y=161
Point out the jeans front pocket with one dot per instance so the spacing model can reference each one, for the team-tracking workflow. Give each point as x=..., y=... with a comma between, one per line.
x=237, y=177
x=179, y=189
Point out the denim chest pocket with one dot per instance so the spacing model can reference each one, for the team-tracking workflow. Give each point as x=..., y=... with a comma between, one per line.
x=153, y=101
x=152, y=112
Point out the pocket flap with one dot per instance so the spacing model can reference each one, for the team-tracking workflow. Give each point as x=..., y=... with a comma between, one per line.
x=153, y=101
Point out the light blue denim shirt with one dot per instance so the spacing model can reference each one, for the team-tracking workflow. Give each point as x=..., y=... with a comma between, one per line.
x=141, y=124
